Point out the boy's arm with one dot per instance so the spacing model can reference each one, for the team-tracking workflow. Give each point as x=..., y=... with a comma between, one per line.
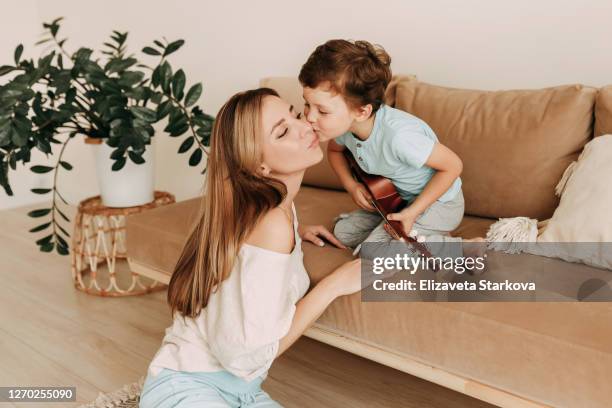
x=448, y=167
x=340, y=165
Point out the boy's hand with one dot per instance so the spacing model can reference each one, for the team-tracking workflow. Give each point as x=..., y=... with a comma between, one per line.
x=406, y=217
x=311, y=233
x=361, y=197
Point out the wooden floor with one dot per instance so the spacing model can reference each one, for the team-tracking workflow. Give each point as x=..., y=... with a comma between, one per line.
x=54, y=335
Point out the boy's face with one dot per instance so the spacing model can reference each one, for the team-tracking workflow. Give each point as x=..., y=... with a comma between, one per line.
x=327, y=112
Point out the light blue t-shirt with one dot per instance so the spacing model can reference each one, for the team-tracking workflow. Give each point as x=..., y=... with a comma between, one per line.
x=397, y=149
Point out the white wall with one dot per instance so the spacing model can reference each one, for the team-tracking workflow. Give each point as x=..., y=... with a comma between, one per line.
x=230, y=45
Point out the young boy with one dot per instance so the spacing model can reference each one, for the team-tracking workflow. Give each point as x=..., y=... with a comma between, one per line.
x=344, y=85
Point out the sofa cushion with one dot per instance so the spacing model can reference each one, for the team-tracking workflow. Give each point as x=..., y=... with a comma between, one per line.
x=583, y=216
x=603, y=111
x=514, y=144
x=473, y=227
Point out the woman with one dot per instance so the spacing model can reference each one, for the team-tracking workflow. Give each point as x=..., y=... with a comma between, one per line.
x=237, y=291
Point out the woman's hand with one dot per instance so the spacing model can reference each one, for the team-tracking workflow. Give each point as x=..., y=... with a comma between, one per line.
x=360, y=196
x=311, y=233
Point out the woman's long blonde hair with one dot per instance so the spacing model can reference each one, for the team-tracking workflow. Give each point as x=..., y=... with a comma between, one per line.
x=237, y=197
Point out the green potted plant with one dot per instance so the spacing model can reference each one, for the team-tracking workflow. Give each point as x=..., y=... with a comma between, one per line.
x=113, y=100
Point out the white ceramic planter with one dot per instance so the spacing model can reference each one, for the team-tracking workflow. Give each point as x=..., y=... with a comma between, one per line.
x=133, y=185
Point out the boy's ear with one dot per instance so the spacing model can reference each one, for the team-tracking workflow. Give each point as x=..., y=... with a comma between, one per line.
x=363, y=112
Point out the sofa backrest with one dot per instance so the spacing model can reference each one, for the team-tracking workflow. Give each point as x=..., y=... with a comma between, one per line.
x=515, y=144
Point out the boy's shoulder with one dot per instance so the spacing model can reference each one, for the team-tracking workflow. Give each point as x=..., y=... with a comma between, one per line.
x=397, y=118
x=397, y=122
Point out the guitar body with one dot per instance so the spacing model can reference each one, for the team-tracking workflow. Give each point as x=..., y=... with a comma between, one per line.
x=385, y=198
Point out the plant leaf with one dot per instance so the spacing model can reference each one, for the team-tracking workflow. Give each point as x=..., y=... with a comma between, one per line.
x=186, y=145
x=43, y=146
x=5, y=69
x=61, y=240
x=44, y=240
x=130, y=78
x=136, y=158
x=61, y=197
x=66, y=165
x=173, y=46
x=165, y=76
x=119, y=65
x=18, y=52
x=41, y=169
x=41, y=190
x=48, y=247
x=62, y=250
x=63, y=230
x=40, y=227
x=155, y=77
x=195, y=158
x=193, y=94
x=44, y=40
x=62, y=215
x=118, y=165
x=117, y=154
x=150, y=51
x=39, y=213
x=178, y=129
x=178, y=84
x=163, y=109
x=146, y=114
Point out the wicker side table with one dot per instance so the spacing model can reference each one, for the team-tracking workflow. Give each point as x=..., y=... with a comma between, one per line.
x=99, y=238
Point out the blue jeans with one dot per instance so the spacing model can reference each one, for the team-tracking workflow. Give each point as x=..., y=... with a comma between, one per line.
x=221, y=389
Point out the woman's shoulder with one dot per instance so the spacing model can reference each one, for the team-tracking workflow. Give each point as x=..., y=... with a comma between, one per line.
x=273, y=232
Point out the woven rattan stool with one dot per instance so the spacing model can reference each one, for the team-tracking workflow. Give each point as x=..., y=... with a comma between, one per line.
x=98, y=242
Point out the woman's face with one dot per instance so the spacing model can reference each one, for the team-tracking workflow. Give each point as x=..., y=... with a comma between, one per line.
x=289, y=143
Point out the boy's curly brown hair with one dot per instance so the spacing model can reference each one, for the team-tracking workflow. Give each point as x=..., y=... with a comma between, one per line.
x=357, y=70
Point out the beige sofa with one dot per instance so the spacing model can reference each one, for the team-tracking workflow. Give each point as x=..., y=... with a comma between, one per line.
x=515, y=146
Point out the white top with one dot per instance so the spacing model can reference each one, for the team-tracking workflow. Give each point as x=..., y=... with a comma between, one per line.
x=240, y=328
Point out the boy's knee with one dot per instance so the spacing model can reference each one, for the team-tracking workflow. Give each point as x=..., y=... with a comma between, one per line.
x=345, y=233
